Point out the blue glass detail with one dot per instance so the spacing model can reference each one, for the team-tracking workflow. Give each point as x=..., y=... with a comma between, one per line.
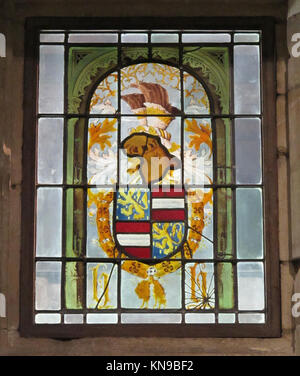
x=133, y=204
x=167, y=237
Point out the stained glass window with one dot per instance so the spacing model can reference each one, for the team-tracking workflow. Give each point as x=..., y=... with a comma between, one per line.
x=149, y=179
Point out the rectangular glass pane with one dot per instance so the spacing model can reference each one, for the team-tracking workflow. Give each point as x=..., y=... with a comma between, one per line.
x=50, y=151
x=99, y=223
x=75, y=150
x=151, y=89
x=248, y=151
x=196, y=101
x=151, y=318
x=249, y=223
x=103, y=318
x=167, y=54
x=200, y=235
x=223, y=198
x=251, y=318
x=101, y=285
x=131, y=55
x=246, y=80
x=199, y=286
x=225, y=277
x=200, y=318
x=48, y=222
x=71, y=318
x=206, y=38
x=162, y=161
x=251, y=294
x=48, y=285
x=198, y=153
x=83, y=63
x=226, y=318
x=246, y=38
x=164, y=38
x=93, y=38
x=137, y=292
x=105, y=97
x=102, y=151
x=75, y=213
x=74, y=285
x=51, y=79
x=52, y=38
x=223, y=145
x=134, y=38
x=48, y=318
x=210, y=59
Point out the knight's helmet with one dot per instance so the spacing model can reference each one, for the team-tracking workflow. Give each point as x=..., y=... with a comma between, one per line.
x=153, y=100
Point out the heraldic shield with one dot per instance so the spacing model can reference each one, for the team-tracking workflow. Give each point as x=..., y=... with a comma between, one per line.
x=150, y=224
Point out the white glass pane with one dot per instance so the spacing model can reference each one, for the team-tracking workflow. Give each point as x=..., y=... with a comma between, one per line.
x=134, y=38
x=73, y=319
x=48, y=318
x=200, y=318
x=93, y=38
x=206, y=38
x=248, y=151
x=249, y=222
x=47, y=288
x=251, y=285
x=50, y=151
x=164, y=38
x=151, y=318
x=246, y=80
x=52, y=38
x=103, y=318
x=246, y=38
x=251, y=318
x=49, y=222
x=51, y=79
x=226, y=318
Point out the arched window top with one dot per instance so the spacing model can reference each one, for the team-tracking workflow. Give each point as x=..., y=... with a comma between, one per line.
x=195, y=98
x=156, y=99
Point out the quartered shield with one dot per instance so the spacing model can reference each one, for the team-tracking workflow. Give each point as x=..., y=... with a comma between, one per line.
x=150, y=224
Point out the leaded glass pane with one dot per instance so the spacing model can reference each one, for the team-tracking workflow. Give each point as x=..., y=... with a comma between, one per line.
x=50, y=151
x=247, y=79
x=46, y=38
x=249, y=223
x=93, y=38
x=206, y=38
x=248, y=147
x=51, y=79
x=251, y=286
x=164, y=38
x=49, y=222
x=149, y=179
x=48, y=285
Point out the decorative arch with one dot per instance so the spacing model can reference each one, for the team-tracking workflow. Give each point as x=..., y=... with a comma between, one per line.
x=88, y=65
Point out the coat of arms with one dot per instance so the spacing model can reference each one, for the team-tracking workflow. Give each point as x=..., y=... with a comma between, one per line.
x=151, y=220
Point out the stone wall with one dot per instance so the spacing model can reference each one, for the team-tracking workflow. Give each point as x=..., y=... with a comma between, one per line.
x=12, y=16
x=293, y=87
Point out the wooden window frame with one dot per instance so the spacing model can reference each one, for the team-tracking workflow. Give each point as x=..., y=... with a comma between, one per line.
x=272, y=326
